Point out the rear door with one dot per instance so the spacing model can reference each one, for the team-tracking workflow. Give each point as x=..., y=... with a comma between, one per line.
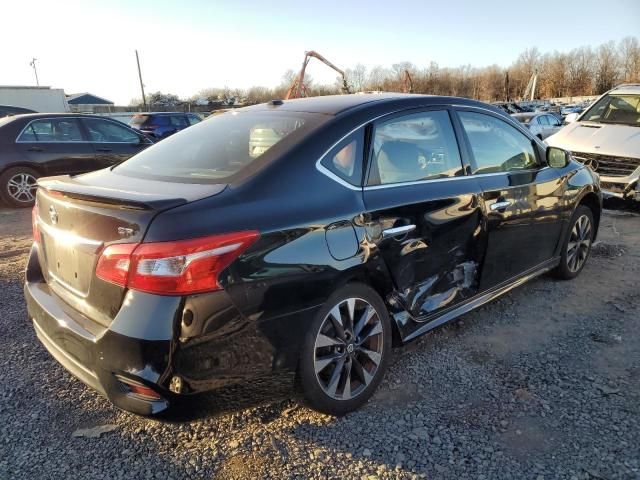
x=521, y=194
x=58, y=144
x=424, y=214
x=113, y=142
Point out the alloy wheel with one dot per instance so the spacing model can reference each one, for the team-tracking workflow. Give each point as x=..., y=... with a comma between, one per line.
x=579, y=243
x=22, y=187
x=348, y=349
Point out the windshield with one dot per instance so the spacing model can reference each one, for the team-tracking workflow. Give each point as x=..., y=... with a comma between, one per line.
x=218, y=148
x=615, y=108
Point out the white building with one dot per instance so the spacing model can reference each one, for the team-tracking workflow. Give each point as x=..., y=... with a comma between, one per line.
x=40, y=99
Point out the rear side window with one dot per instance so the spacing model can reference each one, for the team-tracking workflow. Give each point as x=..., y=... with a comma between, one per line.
x=496, y=145
x=543, y=120
x=138, y=120
x=218, y=148
x=150, y=121
x=345, y=160
x=414, y=147
x=52, y=130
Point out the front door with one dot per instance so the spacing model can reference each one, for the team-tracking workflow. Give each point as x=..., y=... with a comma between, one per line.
x=424, y=214
x=522, y=197
x=112, y=142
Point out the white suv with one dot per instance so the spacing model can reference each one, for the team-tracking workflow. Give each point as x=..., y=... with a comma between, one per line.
x=606, y=137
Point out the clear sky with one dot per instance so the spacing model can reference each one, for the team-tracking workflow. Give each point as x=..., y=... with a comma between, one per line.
x=189, y=45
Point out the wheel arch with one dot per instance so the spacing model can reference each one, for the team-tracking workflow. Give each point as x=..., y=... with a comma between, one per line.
x=375, y=274
x=592, y=202
x=21, y=163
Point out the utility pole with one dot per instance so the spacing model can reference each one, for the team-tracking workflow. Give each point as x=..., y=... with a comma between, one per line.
x=33, y=64
x=144, y=100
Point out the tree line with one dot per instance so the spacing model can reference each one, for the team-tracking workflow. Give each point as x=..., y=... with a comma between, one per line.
x=582, y=71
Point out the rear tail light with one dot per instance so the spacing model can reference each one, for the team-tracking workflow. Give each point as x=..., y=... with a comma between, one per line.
x=113, y=264
x=34, y=224
x=173, y=268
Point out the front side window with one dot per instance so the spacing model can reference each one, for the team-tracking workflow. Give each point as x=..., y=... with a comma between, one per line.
x=615, y=108
x=420, y=146
x=105, y=131
x=496, y=145
x=543, y=120
x=52, y=130
x=220, y=147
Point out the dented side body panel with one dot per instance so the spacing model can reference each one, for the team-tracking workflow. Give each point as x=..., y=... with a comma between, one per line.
x=438, y=263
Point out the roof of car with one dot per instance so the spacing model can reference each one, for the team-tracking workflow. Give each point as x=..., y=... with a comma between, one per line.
x=335, y=104
x=48, y=115
x=631, y=88
x=527, y=114
x=159, y=113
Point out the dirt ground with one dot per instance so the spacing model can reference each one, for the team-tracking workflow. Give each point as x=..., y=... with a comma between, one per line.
x=543, y=383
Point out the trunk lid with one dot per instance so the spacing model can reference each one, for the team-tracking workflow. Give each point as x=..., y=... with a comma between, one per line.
x=79, y=216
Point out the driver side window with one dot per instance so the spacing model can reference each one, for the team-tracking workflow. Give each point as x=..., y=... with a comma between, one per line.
x=420, y=146
x=496, y=145
x=105, y=131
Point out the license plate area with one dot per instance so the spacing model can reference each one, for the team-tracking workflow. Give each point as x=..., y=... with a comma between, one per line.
x=70, y=262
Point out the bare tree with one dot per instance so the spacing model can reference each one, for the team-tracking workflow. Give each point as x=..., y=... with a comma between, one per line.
x=607, y=72
x=629, y=52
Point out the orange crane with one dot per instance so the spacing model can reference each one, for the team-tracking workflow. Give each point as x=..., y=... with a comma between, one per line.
x=298, y=88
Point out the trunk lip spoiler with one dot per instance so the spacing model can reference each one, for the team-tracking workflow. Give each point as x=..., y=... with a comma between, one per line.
x=115, y=197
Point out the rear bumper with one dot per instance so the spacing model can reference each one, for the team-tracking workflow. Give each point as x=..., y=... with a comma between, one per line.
x=98, y=357
x=149, y=344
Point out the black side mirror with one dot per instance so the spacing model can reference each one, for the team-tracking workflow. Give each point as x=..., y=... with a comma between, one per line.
x=557, y=158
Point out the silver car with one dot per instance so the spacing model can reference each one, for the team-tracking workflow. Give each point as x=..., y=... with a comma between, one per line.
x=541, y=124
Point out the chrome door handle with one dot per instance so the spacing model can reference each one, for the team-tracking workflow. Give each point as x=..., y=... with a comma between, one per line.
x=396, y=231
x=500, y=205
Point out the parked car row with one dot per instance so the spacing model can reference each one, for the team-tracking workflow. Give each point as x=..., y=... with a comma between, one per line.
x=36, y=145
x=541, y=124
x=160, y=125
x=44, y=144
x=606, y=138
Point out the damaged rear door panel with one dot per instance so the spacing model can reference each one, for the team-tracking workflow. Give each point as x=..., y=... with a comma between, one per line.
x=424, y=215
x=437, y=264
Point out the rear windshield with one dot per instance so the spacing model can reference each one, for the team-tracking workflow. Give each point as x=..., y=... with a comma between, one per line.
x=220, y=147
x=614, y=108
x=138, y=119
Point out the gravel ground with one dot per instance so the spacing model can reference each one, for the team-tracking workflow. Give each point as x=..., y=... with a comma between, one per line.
x=542, y=384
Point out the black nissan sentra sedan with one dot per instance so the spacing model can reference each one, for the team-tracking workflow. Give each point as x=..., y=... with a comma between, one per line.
x=297, y=240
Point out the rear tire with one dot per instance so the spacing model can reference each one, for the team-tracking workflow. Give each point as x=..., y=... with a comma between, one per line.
x=18, y=186
x=577, y=246
x=346, y=351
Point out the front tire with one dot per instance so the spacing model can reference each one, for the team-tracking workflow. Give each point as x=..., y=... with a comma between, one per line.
x=577, y=245
x=346, y=351
x=18, y=186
